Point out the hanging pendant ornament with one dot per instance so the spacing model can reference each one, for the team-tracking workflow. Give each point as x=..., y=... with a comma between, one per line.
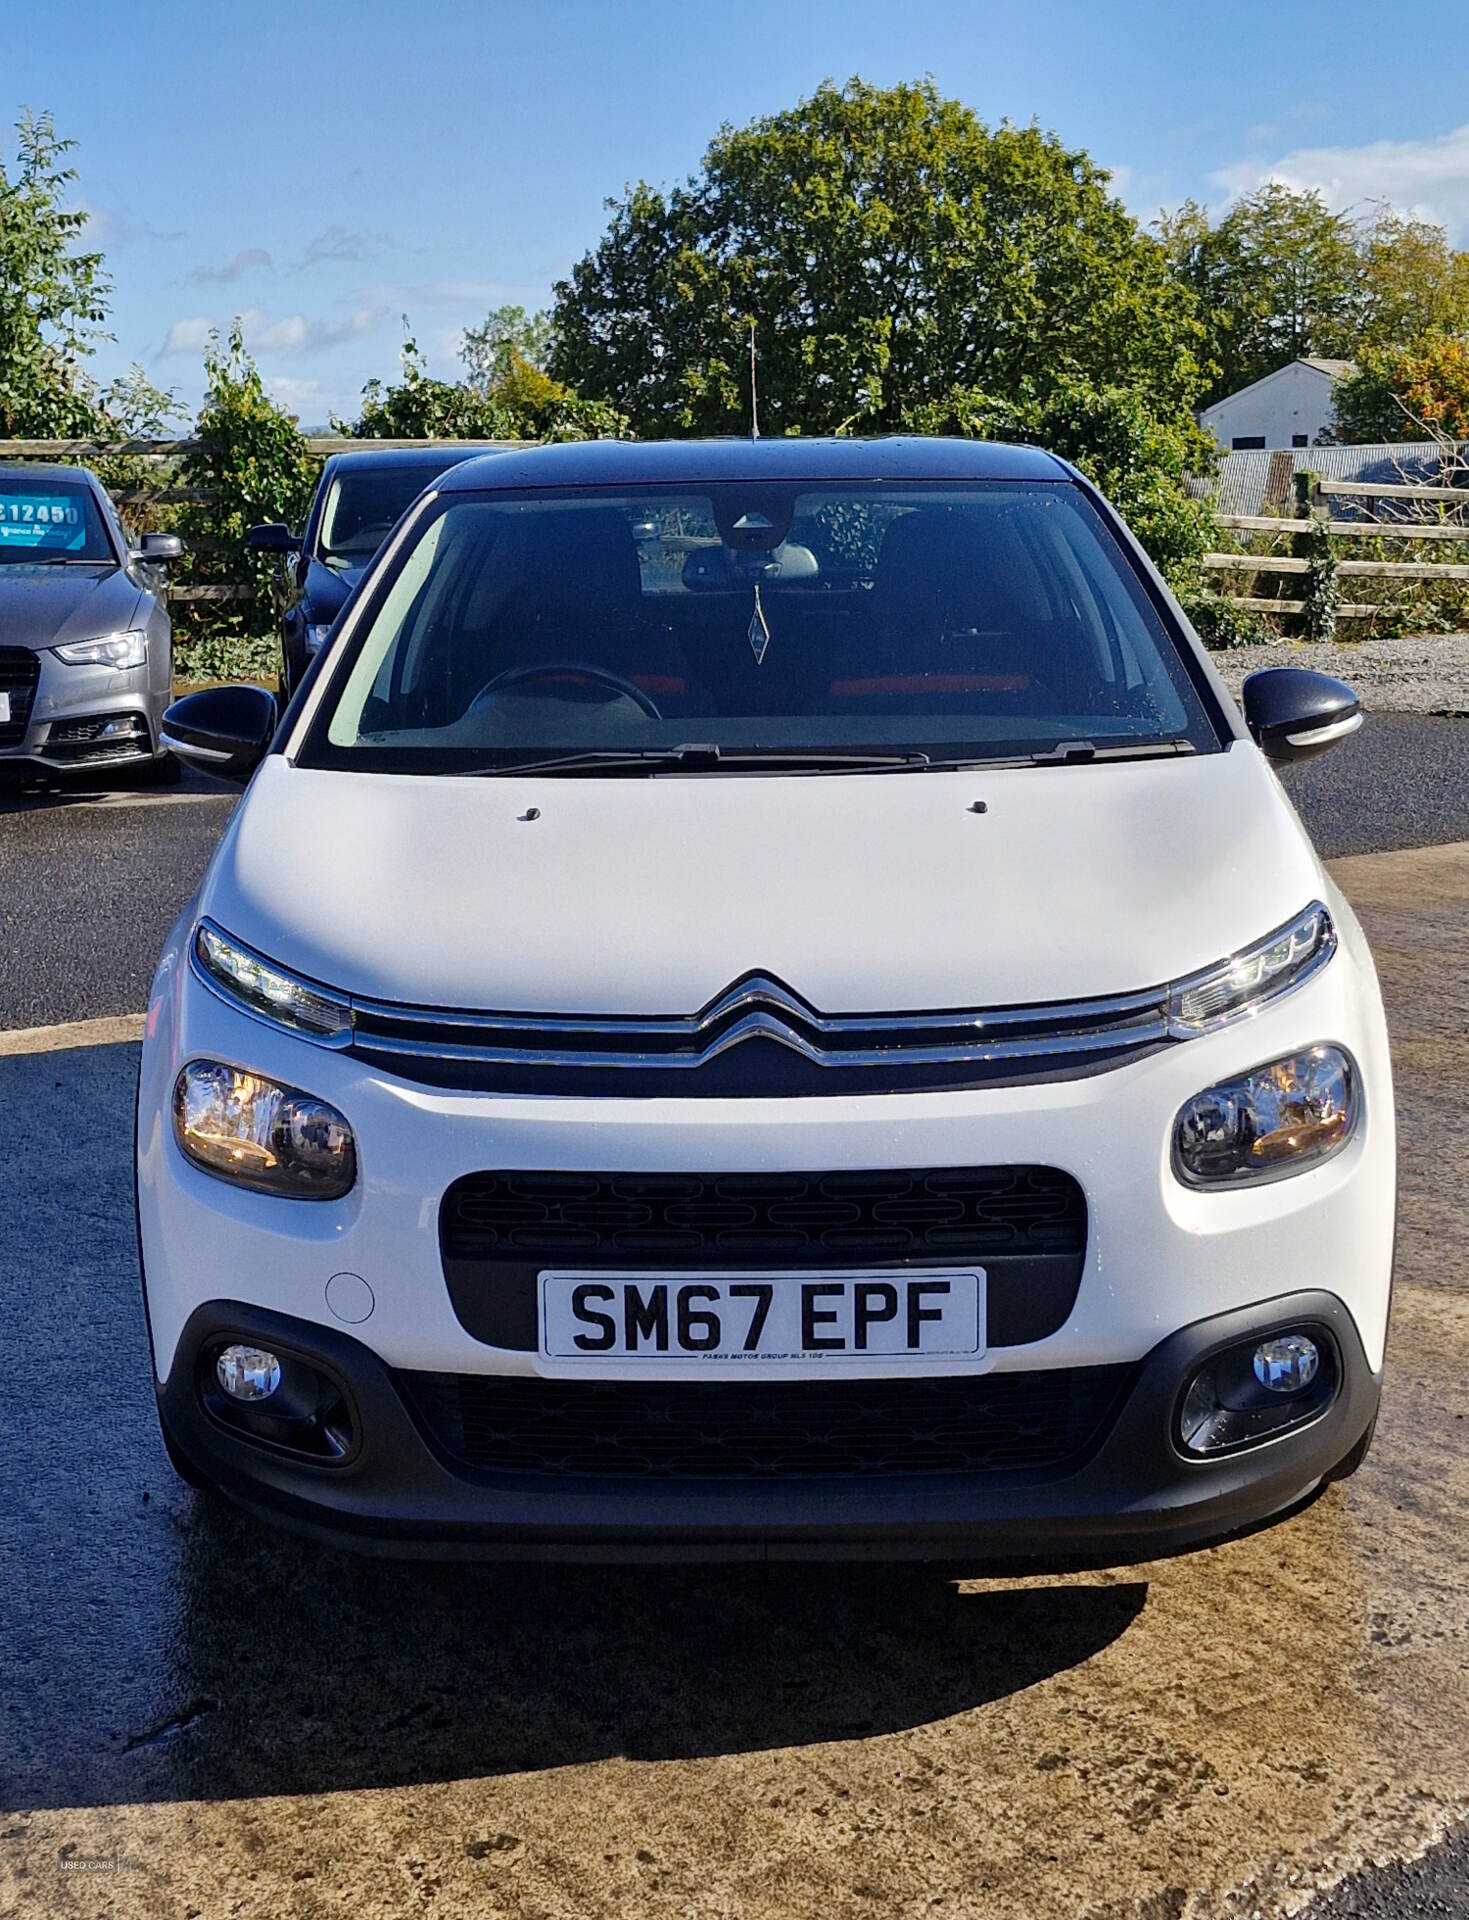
x=759, y=631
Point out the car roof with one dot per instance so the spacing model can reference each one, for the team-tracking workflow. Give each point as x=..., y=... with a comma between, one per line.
x=48, y=470
x=446, y=454
x=596, y=463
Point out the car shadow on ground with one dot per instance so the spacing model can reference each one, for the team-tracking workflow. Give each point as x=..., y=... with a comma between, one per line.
x=297, y=1669
x=32, y=793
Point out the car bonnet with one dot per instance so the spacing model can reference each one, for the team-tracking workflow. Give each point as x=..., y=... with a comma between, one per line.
x=861, y=893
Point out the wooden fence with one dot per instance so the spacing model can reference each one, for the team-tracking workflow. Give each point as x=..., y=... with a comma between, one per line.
x=79, y=452
x=1314, y=516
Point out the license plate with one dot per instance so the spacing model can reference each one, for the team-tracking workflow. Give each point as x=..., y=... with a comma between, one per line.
x=4, y=708
x=834, y=1318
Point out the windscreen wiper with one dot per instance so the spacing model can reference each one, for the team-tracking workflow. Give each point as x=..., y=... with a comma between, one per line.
x=1077, y=753
x=706, y=757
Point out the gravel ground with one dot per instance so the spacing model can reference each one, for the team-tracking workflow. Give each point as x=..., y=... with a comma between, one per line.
x=1427, y=673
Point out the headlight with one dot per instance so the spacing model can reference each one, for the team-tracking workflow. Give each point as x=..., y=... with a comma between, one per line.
x=122, y=650
x=1277, y=1119
x=1247, y=981
x=263, y=988
x=262, y=1135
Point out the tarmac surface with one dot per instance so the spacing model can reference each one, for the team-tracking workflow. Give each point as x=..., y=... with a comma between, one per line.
x=199, y=1717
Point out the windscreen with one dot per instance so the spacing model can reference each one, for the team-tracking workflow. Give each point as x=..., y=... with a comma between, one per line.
x=43, y=518
x=961, y=622
x=362, y=508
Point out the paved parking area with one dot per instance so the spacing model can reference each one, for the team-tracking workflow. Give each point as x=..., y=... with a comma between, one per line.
x=206, y=1718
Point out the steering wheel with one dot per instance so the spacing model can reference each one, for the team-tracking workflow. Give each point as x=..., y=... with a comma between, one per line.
x=583, y=670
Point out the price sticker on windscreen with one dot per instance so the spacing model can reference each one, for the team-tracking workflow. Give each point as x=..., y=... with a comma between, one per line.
x=51, y=520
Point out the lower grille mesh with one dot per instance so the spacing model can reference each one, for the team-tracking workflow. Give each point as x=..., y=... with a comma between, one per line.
x=769, y=1430
x=949, y=1213
x=20, y=669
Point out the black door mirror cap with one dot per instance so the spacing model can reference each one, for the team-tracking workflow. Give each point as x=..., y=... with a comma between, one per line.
x=225, y=730
x=1294, y=714
x=273, y=536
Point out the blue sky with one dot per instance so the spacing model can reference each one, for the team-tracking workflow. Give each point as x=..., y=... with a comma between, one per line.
x=323, y=168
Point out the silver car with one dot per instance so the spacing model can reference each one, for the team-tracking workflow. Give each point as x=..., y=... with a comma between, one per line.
x=86, y=647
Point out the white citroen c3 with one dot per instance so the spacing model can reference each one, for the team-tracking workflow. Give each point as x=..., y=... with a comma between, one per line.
x=763, y=1000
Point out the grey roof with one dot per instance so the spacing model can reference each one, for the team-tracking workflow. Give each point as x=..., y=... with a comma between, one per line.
x=46, y=470
x=1336, y=368
x=595, y=463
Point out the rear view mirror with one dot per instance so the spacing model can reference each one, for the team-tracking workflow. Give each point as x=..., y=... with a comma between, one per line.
x=274, y=536
x=1293, y=714
x=721, y=569
x=222, y=730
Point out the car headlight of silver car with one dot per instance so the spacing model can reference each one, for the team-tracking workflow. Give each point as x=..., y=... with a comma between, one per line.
x=263, y=988
x=1277, y=1119
x=251, y=1130
x=118, y=650
x=1250, y=980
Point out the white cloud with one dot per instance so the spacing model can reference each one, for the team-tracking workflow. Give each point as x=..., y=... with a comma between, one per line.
x=189, y=336
x=1428, y=179
x=291, y=334
x=301, y=397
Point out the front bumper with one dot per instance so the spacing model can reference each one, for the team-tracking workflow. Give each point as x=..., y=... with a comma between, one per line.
x=80, y=717
x=1133, y=1495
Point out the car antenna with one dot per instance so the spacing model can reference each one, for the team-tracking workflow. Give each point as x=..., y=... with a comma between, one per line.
x=754, y=395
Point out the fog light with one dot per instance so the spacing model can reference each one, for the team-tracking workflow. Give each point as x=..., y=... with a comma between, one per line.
x=277, y=1400
x=1286, y=1364
x=248, y=1373
x=1257, y=1390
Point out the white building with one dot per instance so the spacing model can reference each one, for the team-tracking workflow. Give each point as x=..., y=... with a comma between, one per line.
x=1291, y=407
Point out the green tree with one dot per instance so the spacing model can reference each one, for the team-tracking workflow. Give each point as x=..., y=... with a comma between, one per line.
x=1413, y=283
x=253, y=461
x=53, y=297
x=1407, y=392
x=1277, y=279
x=418, y=407
x=506, y=335
x=521, y=402
x=890, y=249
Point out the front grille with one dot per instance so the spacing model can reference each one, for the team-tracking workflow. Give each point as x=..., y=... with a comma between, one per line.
x=20, y=669
x=786, y=1219
x=758, y=1038
x=1008, y=1423
x=1025, y=1225
x=104, y=736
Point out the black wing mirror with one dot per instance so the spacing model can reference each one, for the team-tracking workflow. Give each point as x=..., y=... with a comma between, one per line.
x=154, y=547
x=1293, y=714
x=274, y=536
x=222, y=730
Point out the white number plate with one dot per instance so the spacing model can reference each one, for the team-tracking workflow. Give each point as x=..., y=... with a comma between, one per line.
x=4, y=708
x=828, y=1317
